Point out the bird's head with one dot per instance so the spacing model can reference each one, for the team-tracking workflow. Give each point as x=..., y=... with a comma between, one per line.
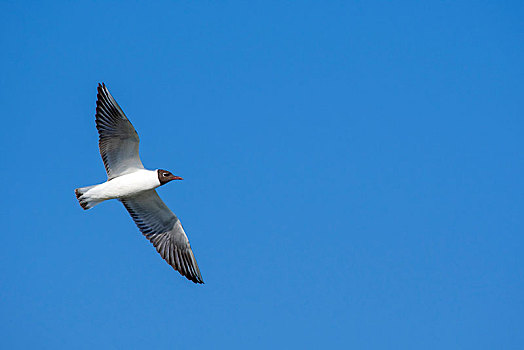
x=165, y=176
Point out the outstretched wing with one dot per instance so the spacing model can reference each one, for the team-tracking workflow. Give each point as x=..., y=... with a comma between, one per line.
x=161, y=226
x=118, y=140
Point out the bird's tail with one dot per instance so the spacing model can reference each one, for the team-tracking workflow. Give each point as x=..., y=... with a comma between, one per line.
x=84, y=199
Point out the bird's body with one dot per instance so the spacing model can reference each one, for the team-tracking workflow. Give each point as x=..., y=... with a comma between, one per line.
x=135, y=186
x=122, y=186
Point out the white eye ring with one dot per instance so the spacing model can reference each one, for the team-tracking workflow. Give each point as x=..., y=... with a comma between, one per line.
x=165, y=174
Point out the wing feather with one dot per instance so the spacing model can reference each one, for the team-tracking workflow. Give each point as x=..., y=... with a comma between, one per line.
x=163, y=229
x=118, y=140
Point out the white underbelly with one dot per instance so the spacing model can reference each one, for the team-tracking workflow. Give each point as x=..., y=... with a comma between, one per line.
x=125, y=185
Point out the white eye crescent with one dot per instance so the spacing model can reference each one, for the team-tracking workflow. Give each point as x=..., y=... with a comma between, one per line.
x=165, y=174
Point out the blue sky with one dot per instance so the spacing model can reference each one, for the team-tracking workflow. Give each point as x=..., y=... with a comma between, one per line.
x=353, y=174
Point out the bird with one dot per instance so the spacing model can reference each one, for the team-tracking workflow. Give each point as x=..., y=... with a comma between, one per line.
x=134, y=186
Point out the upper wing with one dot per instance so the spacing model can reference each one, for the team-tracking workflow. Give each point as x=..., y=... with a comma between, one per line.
x=161, y=226
x=118, y=140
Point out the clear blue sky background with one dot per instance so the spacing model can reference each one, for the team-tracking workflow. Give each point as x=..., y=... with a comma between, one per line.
x=353, y=174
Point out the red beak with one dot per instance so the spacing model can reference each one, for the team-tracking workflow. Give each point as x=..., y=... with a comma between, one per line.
x=177, y=178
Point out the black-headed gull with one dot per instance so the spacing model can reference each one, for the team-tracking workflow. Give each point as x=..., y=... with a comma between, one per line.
x=134, y=186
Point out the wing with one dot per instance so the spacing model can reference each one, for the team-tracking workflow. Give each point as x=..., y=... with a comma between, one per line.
x=118, y=140
x=161, y=226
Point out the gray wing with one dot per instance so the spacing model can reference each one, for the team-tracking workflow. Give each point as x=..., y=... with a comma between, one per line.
x=118, y=140
x=161, y=226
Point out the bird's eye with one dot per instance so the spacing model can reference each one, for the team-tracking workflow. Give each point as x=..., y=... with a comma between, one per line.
x=165, y=174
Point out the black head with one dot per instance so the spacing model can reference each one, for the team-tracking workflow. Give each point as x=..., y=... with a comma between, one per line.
x=165, y=176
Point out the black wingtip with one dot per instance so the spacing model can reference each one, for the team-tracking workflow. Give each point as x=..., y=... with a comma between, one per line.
x=190, y=272
x=101, y=88
x=196, y=279
x=193, y=278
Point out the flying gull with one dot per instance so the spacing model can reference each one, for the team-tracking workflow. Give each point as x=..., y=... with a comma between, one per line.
x=134, y=186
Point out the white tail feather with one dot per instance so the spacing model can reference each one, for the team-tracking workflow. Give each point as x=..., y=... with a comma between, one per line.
x=83, y=197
